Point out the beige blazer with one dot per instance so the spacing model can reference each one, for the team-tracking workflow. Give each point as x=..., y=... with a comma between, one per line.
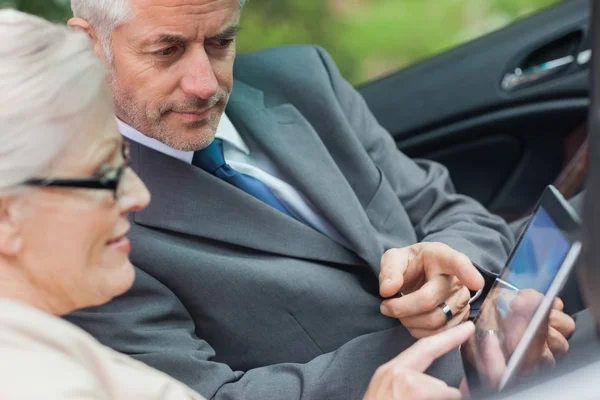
x=45, y=357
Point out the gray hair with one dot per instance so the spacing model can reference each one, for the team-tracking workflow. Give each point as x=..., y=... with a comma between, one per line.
x=107, y=15
x=50, y=83
x=104, y=15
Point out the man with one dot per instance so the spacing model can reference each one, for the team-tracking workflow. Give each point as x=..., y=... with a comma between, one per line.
x=260, y=269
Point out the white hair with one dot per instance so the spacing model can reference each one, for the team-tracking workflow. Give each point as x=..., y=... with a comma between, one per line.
x=107, y=15
x=104, y=15
x=50, y=84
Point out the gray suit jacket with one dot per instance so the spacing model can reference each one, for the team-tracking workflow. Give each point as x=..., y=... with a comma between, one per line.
x=238, y=300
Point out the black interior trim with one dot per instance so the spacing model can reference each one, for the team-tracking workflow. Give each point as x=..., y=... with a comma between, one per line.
x=533, y=160
x=497, y=121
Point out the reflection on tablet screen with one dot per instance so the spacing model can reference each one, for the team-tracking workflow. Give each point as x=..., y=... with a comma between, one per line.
x=536, y=261
x=513, y=300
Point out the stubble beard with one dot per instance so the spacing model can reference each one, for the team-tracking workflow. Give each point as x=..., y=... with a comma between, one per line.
x=152, y=123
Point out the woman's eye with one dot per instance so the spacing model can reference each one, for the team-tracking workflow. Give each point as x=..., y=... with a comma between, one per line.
x=103, y=171
x=109, y=172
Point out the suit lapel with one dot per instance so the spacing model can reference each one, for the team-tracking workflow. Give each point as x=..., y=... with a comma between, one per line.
x=292, y=143
x=180, y=191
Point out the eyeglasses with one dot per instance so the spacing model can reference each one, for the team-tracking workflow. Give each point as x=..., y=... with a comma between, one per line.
x=108, y=179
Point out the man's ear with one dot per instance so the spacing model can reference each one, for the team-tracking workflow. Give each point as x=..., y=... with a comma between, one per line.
x=11, y=239
x=84, y=26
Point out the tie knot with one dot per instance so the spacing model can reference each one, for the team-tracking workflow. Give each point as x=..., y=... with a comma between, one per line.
x=210, y=158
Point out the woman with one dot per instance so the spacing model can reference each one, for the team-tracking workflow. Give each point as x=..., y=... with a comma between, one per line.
x=65, y=192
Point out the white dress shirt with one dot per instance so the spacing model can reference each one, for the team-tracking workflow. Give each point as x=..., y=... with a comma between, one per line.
x=254, y=163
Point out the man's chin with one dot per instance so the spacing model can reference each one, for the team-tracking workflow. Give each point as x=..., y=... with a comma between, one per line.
x=188, y=135
x=187, y=138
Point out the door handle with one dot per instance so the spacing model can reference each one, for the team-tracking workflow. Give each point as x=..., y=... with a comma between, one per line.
x=520, y=77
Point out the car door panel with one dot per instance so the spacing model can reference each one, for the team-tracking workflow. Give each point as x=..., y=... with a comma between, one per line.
x=504, y=158
x=501, y=146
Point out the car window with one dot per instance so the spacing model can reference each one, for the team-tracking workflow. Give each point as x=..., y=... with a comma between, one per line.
x=367, y=38
x=371, y=38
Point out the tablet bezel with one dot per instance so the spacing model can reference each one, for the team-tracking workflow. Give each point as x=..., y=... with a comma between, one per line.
x=561, y=213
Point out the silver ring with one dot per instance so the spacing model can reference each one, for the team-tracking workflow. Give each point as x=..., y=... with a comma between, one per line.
x=447, y=311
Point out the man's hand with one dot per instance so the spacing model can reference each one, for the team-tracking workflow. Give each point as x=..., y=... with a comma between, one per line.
x=427, y=274
x=403, y=377
x=560, y=325
x=489, y=354
x=561, y=328
x=498, y=337
x=552, y=338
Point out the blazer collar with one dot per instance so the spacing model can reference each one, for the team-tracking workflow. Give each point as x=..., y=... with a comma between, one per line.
x=293, y=144
x=189, y=201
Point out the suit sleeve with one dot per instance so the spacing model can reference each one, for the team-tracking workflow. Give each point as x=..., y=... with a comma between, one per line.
x=437, y=212
x=150, y=324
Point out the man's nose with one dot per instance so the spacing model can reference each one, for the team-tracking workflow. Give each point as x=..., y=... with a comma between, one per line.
x=199, y=79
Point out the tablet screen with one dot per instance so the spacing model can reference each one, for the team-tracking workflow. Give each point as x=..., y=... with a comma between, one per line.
x=539, y=255
x=513, y=300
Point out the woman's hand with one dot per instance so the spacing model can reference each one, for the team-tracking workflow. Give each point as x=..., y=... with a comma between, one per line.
x=404, y=378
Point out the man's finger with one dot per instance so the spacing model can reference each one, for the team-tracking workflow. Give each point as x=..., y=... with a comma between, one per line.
x=558, y=344
x=451, y=262
x=423, y=333
x=492, y=357
x=562, y=323
x=517, y=320
x=420, y=355
x=393, y=266
x=424, y=300
x=538, y=350
x=547, y=356
x=436, y=318
x=558, y=304
x=526, y=302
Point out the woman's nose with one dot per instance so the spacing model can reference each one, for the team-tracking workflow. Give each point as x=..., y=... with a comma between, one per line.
x=134, y=195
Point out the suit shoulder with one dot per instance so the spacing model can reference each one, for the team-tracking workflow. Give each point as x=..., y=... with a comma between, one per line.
x=293, y=62
x=290, y=54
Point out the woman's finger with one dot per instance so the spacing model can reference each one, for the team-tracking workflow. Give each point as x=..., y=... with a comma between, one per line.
x=422, y=387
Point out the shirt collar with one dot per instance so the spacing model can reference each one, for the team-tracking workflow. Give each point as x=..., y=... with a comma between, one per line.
x=225, y=131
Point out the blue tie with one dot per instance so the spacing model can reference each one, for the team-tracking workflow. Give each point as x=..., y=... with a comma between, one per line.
x=212, y=160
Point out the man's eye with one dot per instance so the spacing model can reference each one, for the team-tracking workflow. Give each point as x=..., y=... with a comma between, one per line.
x=167, y=52
x=223, y=43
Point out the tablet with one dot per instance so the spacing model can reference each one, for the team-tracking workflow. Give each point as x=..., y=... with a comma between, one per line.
x=511, y=326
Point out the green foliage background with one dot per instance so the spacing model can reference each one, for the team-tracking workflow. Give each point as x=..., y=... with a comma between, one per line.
x=367, y=38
